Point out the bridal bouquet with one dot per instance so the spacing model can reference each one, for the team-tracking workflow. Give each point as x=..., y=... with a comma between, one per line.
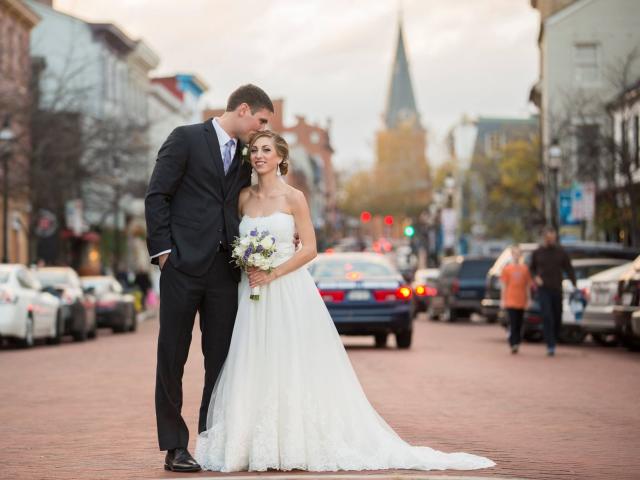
x=254, y=250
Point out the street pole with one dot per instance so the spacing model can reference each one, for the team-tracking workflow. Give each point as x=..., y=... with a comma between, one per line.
x=5, y=207
x=554, y=200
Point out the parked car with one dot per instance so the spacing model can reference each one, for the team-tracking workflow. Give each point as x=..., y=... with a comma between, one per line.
x=26, y=312
x=114, y=308
x=579, y=249
x=365, y=295
x=78, y=308
x=460, y=287
x=574, y=301
x=598, y=316
x=627, y=306
x=424, y=286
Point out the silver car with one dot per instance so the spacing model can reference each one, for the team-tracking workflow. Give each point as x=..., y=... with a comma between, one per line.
x=598, y=317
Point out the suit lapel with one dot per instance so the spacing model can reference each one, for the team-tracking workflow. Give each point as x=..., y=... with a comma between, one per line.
x=214, y=148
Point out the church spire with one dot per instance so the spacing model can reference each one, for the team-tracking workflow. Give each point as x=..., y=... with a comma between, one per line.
x=401, y=104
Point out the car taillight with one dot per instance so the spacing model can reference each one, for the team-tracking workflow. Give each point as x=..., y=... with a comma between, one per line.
x=332, y=295
x=8, y=296
x=455, y=286
x=425, y=291
x=403, y=293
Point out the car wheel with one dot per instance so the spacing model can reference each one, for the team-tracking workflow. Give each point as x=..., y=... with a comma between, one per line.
x=630, y=343
x=492, y=318
x=29, y=339
x=449, y=315
x=381, y=340
x=57, y=337
x=605, y=339
x=533, y=336
x=403, y=339
x=573, y=336
x=134, y=320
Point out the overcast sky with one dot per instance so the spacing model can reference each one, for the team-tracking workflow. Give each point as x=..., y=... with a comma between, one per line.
x=332, y=58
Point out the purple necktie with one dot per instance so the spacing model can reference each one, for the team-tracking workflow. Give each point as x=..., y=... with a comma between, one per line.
x=226, y=159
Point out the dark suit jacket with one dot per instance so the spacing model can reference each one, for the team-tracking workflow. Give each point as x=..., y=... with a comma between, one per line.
x=191, y=206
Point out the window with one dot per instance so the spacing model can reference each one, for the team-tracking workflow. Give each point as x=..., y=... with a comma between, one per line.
x=585, y=60
x=588, y=149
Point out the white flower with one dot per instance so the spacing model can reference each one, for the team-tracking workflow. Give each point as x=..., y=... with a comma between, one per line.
x=245, y=150
x=245, y=241
x=267, y=242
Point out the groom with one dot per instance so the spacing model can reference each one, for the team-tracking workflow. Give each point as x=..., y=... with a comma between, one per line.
x=191, y=208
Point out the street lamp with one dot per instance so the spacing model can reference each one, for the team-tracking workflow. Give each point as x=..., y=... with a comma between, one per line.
x=553, y=164
x=6, y=137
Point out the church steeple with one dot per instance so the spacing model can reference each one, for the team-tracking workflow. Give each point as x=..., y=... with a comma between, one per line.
x=401, y=103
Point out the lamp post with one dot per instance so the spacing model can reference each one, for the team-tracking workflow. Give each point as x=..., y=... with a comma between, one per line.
x=6, y=137
x=553, y=164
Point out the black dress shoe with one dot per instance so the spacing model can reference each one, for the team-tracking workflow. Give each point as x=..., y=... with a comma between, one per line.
x=180, y=460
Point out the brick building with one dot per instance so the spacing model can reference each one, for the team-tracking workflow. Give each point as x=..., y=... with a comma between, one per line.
x=16, y=22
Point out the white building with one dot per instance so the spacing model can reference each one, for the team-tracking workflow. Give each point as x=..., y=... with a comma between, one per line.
x=582, y=44
x=97, y=71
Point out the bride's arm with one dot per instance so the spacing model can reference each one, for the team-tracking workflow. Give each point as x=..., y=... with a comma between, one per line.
x=304, y=255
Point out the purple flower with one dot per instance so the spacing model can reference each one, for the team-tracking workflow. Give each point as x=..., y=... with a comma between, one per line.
x=254, y=232
x=259, y=249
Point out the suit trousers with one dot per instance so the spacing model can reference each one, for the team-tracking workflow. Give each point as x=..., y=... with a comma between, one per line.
x=215, y=296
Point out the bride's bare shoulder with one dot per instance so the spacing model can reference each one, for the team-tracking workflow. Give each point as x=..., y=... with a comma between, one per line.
x=295, y=199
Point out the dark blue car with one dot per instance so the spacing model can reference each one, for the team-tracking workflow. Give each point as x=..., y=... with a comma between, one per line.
x=365, y=295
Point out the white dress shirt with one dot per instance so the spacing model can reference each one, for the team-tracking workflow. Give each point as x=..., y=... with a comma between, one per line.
x=223, y=138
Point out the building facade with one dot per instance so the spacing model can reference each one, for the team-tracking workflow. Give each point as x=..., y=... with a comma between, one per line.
x=16, y=22
x=583, y=47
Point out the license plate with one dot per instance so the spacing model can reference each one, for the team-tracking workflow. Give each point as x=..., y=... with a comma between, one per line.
x=627, y=298
x=359, y=295
x=467, y=294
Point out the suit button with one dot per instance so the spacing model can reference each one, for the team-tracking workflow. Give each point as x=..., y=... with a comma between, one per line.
x=220, y=230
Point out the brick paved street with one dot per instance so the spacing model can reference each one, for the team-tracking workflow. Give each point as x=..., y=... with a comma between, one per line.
x=86, y=410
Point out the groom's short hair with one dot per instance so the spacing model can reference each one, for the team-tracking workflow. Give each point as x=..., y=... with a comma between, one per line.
x=255, y=97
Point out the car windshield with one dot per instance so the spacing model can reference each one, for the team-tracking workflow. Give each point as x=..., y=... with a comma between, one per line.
x=352, y=269
x=49, y=278
x=4, y=277
x=475, y=268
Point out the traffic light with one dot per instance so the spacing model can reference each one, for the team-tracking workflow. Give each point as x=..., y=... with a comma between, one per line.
x=388, y=220
x=409, y=231
x=365, y=216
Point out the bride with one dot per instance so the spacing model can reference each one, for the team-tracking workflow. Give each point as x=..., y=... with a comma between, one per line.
x=287, y=397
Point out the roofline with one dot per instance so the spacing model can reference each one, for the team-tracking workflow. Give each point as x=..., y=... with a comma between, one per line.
x=565, y=12
x=22, y=9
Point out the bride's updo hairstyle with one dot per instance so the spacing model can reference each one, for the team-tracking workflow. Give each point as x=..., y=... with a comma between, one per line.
x=282, y=148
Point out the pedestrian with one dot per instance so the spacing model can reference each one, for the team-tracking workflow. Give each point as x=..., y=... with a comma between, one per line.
x=515, y=295
x=548, y=263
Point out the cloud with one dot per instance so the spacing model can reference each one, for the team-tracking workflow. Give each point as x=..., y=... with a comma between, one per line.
x=332, y=58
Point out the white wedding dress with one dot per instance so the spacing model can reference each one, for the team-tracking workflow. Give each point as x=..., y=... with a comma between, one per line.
x=287, y=397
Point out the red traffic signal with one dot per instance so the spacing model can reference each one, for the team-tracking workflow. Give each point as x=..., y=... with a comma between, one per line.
x=388, y=220
x=365, y=216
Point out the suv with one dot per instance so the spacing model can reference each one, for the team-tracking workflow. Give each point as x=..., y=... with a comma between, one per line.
x=460, y=288
x=491, y=300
